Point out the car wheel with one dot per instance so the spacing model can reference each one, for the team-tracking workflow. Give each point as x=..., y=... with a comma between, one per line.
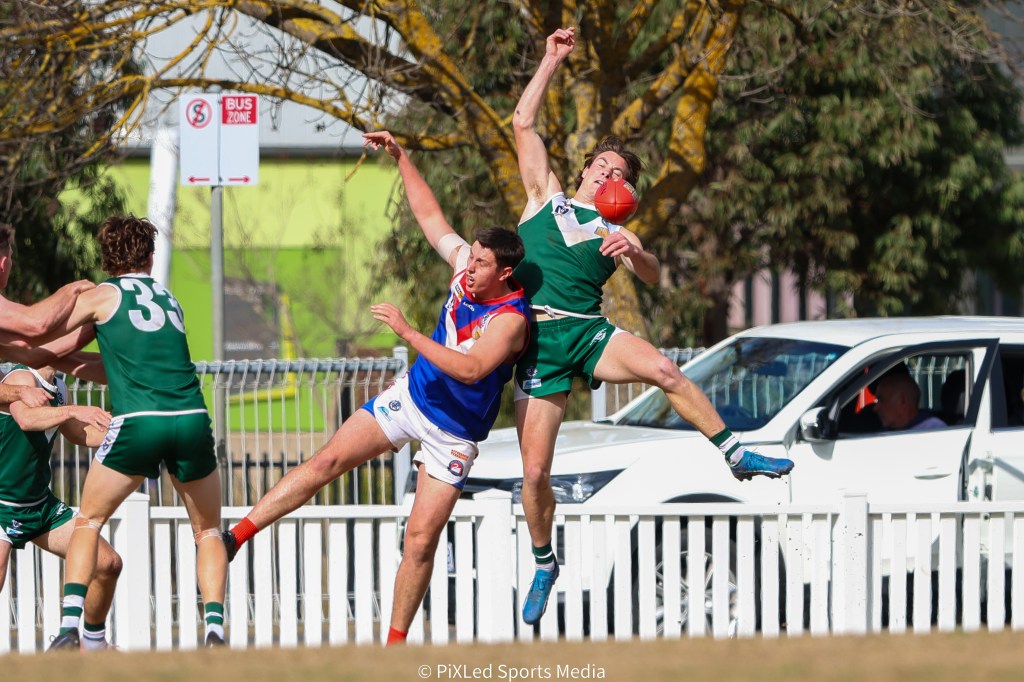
x=704, y=609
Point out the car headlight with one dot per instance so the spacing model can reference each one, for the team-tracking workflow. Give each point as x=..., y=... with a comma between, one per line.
x=573, y=488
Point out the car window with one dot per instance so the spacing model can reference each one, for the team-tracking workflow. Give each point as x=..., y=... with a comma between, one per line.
x=938, y=382
x=1010, y=411
x=748, y=382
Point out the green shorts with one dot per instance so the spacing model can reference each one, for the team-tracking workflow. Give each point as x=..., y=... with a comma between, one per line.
x=21, y=525
x=560, y=350
x=136, y=445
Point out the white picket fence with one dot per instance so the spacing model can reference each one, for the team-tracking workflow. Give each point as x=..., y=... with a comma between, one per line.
x=324, y=575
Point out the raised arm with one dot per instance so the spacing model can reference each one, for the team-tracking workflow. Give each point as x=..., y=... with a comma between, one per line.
x=502, y=340
x=539, y=181
x=41, y=321
x=422, y=201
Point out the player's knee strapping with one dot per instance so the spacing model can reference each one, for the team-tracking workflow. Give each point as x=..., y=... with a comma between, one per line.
x=207, y=534
x=85, y=522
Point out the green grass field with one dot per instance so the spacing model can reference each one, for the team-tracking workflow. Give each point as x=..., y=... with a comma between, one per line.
x=908, y=658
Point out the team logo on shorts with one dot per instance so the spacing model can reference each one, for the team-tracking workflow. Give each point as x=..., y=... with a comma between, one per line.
x=456, y=468
x=395, y=406
x=15, y=527
x=598, y=337
x=108, y=442
x=531, y=372
x=384, y=411
x=463, y=457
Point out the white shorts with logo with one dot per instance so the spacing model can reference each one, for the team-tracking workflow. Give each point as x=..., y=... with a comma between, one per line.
x=447, y=458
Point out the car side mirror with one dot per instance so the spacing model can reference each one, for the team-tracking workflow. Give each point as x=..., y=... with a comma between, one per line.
x=814, y=425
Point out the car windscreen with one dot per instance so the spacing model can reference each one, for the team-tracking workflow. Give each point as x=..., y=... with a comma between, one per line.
x=748, y=381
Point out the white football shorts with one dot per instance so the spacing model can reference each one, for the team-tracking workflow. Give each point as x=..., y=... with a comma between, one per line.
x=447, y=458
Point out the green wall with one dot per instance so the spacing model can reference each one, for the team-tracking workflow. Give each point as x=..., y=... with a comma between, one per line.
x=311, y=226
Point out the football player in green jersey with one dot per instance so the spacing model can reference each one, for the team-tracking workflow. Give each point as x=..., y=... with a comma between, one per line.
x=29, y=511
x=571, y=251
x=159, y=417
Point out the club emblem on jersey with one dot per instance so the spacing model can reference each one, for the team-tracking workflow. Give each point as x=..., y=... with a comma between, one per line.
x=395, y=406
x=478, y=330
x=562, y=207
x=456, y=468
x=602, y=231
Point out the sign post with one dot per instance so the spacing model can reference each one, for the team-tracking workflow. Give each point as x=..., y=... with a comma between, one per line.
x=220, y=146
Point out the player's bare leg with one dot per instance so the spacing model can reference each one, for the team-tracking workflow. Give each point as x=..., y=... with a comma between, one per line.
x=202, y=500
x=430, y=513
x=104, y=490
x=100, y=594
x=628, y=358
x=358, y=440
x=5, y=557
x=537, y=422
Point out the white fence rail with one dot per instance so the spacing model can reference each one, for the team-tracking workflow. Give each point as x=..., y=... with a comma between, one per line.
x=324, y=575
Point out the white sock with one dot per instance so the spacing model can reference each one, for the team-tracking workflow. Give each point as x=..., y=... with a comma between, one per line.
x=94, y=640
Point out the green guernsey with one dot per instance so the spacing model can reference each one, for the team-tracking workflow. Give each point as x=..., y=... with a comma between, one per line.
x=25, y=455
x=145, y=352
x=564, y=268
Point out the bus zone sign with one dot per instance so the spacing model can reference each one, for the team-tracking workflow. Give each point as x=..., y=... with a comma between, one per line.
x=220, y=142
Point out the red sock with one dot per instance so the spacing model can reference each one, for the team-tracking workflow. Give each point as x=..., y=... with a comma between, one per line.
x=244, y=530
x=396, y=637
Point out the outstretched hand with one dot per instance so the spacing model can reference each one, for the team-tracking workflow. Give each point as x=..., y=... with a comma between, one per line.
x=382, y=138
x=392, y=317
x=616, y=244
x=560, y=43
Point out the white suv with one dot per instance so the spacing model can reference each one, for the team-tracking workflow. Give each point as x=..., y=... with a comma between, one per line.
x=804, y=391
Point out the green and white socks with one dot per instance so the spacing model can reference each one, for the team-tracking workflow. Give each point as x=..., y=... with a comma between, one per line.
x=729, y=445
x=544, y=558
x=72, y=606
x=214, y=616
x=94, y=636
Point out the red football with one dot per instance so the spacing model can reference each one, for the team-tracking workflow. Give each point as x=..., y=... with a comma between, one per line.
x=616, y=200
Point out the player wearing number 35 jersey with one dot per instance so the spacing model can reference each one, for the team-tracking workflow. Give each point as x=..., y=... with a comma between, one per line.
x=159, y=417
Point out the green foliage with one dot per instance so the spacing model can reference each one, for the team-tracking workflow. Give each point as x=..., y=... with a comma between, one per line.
x=866, y=155
x=55, y=242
